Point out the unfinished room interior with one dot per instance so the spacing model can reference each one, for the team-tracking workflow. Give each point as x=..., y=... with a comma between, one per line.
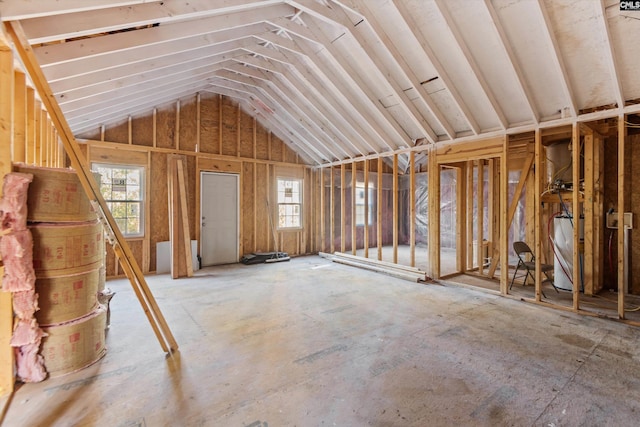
x=319, y=212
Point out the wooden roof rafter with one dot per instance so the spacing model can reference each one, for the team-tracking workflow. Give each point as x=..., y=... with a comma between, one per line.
x=442, y=74
x=296, y=109
x=513, y=61
x=337, y=16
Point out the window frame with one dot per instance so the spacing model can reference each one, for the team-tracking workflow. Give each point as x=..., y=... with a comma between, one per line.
x=141, y=201
x=371, y=191
x=300, y=215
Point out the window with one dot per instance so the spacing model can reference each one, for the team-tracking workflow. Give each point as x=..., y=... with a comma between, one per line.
x=360, y=220
x=289, y=203
x=122, y=188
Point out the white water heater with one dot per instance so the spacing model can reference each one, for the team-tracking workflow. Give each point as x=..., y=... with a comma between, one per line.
x=563, y=259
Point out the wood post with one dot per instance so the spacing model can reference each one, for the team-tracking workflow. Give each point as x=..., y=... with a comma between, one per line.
x=395, y=208
x=6, y=136
x=412, y=207
x=577, y=262
x=354, y=172
x=343, y=207
x=504, y=224
x=379, y=210
x=366, y=208
x=622, y=131
x=537, y=210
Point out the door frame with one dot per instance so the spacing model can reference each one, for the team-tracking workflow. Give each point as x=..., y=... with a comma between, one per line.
x=238, y=216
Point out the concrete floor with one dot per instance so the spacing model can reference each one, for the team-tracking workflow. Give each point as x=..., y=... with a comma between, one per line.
x=311, y=343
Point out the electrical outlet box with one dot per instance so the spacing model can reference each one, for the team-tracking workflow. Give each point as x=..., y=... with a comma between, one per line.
x=612, y=220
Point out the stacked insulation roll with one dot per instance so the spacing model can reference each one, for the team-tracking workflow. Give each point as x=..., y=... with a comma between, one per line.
x=68, y=261
x=16, y=245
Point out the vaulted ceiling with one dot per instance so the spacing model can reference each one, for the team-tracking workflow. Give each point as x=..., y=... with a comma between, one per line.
x=342, y=79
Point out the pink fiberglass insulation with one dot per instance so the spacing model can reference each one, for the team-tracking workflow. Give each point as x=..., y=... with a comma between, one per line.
x=26, y=332
x=25, y=304
x=13, y=206
x=16, y=250
x=30, y=364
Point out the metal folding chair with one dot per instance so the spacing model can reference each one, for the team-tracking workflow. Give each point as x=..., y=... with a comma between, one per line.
x=527, y=264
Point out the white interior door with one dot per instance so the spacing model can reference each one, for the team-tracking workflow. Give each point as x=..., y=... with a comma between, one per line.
x=219, y=223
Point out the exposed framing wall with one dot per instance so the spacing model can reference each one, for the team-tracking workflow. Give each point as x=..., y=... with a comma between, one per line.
x=215, y=135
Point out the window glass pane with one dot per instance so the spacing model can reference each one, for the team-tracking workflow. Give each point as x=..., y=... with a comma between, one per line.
x=289, y=203
x=122, y=188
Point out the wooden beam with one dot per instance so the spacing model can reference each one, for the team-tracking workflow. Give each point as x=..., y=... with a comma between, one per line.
x=184, y=218
x=577, y=262
x=589, y=262
x=19, y=116
x=199, y=123
x=468, y=212
x=537, y=205
x=31, y=126
x=332, y=207
x=79, y=163
x=480, y=222
x=412, y=207
x=461, y=215
x=379, y=210
x=622, y=133
x=354, y=229
x=366, y=208
x=176, y=133
x=323, y=236
x=434, y=215
x=504, y=224
x=7, y=378
x=220, y=125
x=343, y=207
x=395, y=208
x=174, y=219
